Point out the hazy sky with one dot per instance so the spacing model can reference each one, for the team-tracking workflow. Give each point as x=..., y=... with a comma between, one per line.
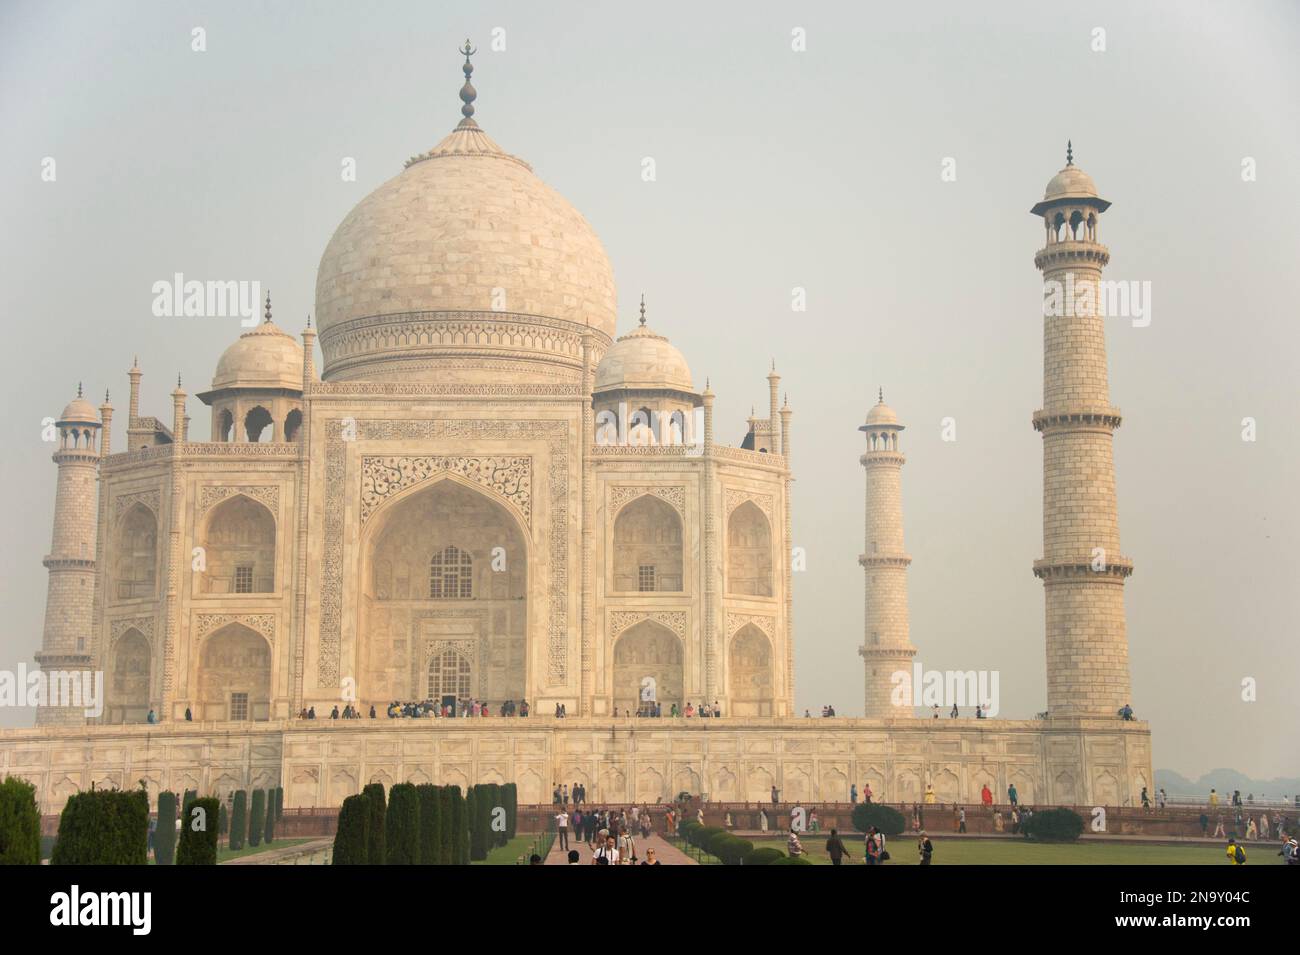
x=776, y=169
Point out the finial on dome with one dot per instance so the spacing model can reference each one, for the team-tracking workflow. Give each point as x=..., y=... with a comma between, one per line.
x=135, y=361
x=268, y=307
x=467, y=92
x=1069, y=152
x=78, y=389
x=178, y=379
x=882, y=395
x=105, y=396
x=643, y=309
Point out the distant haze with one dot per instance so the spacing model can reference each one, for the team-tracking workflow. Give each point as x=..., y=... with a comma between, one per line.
x=776, y=170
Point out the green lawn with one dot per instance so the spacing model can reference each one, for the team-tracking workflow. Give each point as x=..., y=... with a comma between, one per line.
x=902, y=850
x=509, y=853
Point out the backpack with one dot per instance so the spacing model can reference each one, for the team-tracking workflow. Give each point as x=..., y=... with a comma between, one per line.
x=1239, y=855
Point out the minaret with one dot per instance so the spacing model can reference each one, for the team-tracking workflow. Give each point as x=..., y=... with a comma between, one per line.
x=69, y=600
x=1082, y=571
x=887, y=646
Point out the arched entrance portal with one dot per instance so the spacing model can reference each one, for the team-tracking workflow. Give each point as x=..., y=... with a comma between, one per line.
x=129, y=700
x=647, y=654
x=749, y=665
x=444, y=598
x=234, y=679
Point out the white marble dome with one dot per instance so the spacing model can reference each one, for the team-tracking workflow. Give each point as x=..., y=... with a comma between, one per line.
x=642, y=360
x=1070, y=183
x=881, y=414
x=79, y=411
x=464, y=231
x=266, y=357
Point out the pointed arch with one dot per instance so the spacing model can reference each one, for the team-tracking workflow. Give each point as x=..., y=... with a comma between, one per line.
x=749, y=673
x=239, y=548
x=234, y=675
x=647, y=552
x=135, y=560
x=749, y=552
x=647, y=667
x=130, y=669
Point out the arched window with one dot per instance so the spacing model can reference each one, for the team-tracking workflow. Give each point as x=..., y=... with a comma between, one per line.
x=255, y=424
x=648, y=546
x=451, y=575
x=749, y=552
x=136, y=556
x=292, y=422
x=239, y=548
x=225, y=425
x=449, y=675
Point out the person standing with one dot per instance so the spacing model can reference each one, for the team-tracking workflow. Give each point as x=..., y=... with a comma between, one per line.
x=835, y=848
x=961, y=826
x=562, y=827
x=866, y=793
x=872, y=850
x=986, y=796
x=1012, y=796
x=853, y=793
x=607, y=854
x=930, y=797
x=1214, y=799
x=924, y=849
x=793, y=846
x=1205, y=825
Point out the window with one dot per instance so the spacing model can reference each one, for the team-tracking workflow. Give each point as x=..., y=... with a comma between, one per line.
x=244, y=579
x=645, y=578
x=239, y=706
x=449, y=675
x=451, y=575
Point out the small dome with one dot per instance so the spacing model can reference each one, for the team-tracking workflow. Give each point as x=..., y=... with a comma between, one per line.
x=881, y=414
x=79, y=411
x=643, y=360
x=266, y=357
x=1070, y=183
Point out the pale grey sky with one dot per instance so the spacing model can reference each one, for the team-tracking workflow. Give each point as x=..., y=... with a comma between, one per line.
x=776, y=169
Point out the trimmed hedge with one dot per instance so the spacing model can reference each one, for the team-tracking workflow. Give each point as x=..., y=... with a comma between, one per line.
x=449, y=795
x=1053, y=825
x=477, y=842
x=730, y=849
x=764, y=856
x=510, y=795
x=104, y=827
x=164, y=836
x=279, y=803
x=887, y=820
x=238, y=821
x=350, y=842
x=403, y=821
x=20, y=823
x=268, y=834
x=257, y=818
x=791, y=860
x=375, y=845
x=223, y=822
x=199, y=831
x=430, y=798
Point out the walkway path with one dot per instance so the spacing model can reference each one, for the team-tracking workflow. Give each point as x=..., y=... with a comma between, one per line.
x=664, y=852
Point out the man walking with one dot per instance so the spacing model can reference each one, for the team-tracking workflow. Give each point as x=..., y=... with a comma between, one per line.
x=924, y=849
x=835, y=848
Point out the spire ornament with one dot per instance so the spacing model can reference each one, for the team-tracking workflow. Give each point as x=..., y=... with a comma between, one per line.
x=268, y=307
x=1069, y=152
x=467, y=92
x=643, y=309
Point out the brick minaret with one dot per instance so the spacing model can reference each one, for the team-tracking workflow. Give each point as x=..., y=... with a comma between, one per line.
x=1082, y=571
x=887, y=645
x=69, y=600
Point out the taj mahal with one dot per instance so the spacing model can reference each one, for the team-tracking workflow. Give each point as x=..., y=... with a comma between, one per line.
x=486, y=491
